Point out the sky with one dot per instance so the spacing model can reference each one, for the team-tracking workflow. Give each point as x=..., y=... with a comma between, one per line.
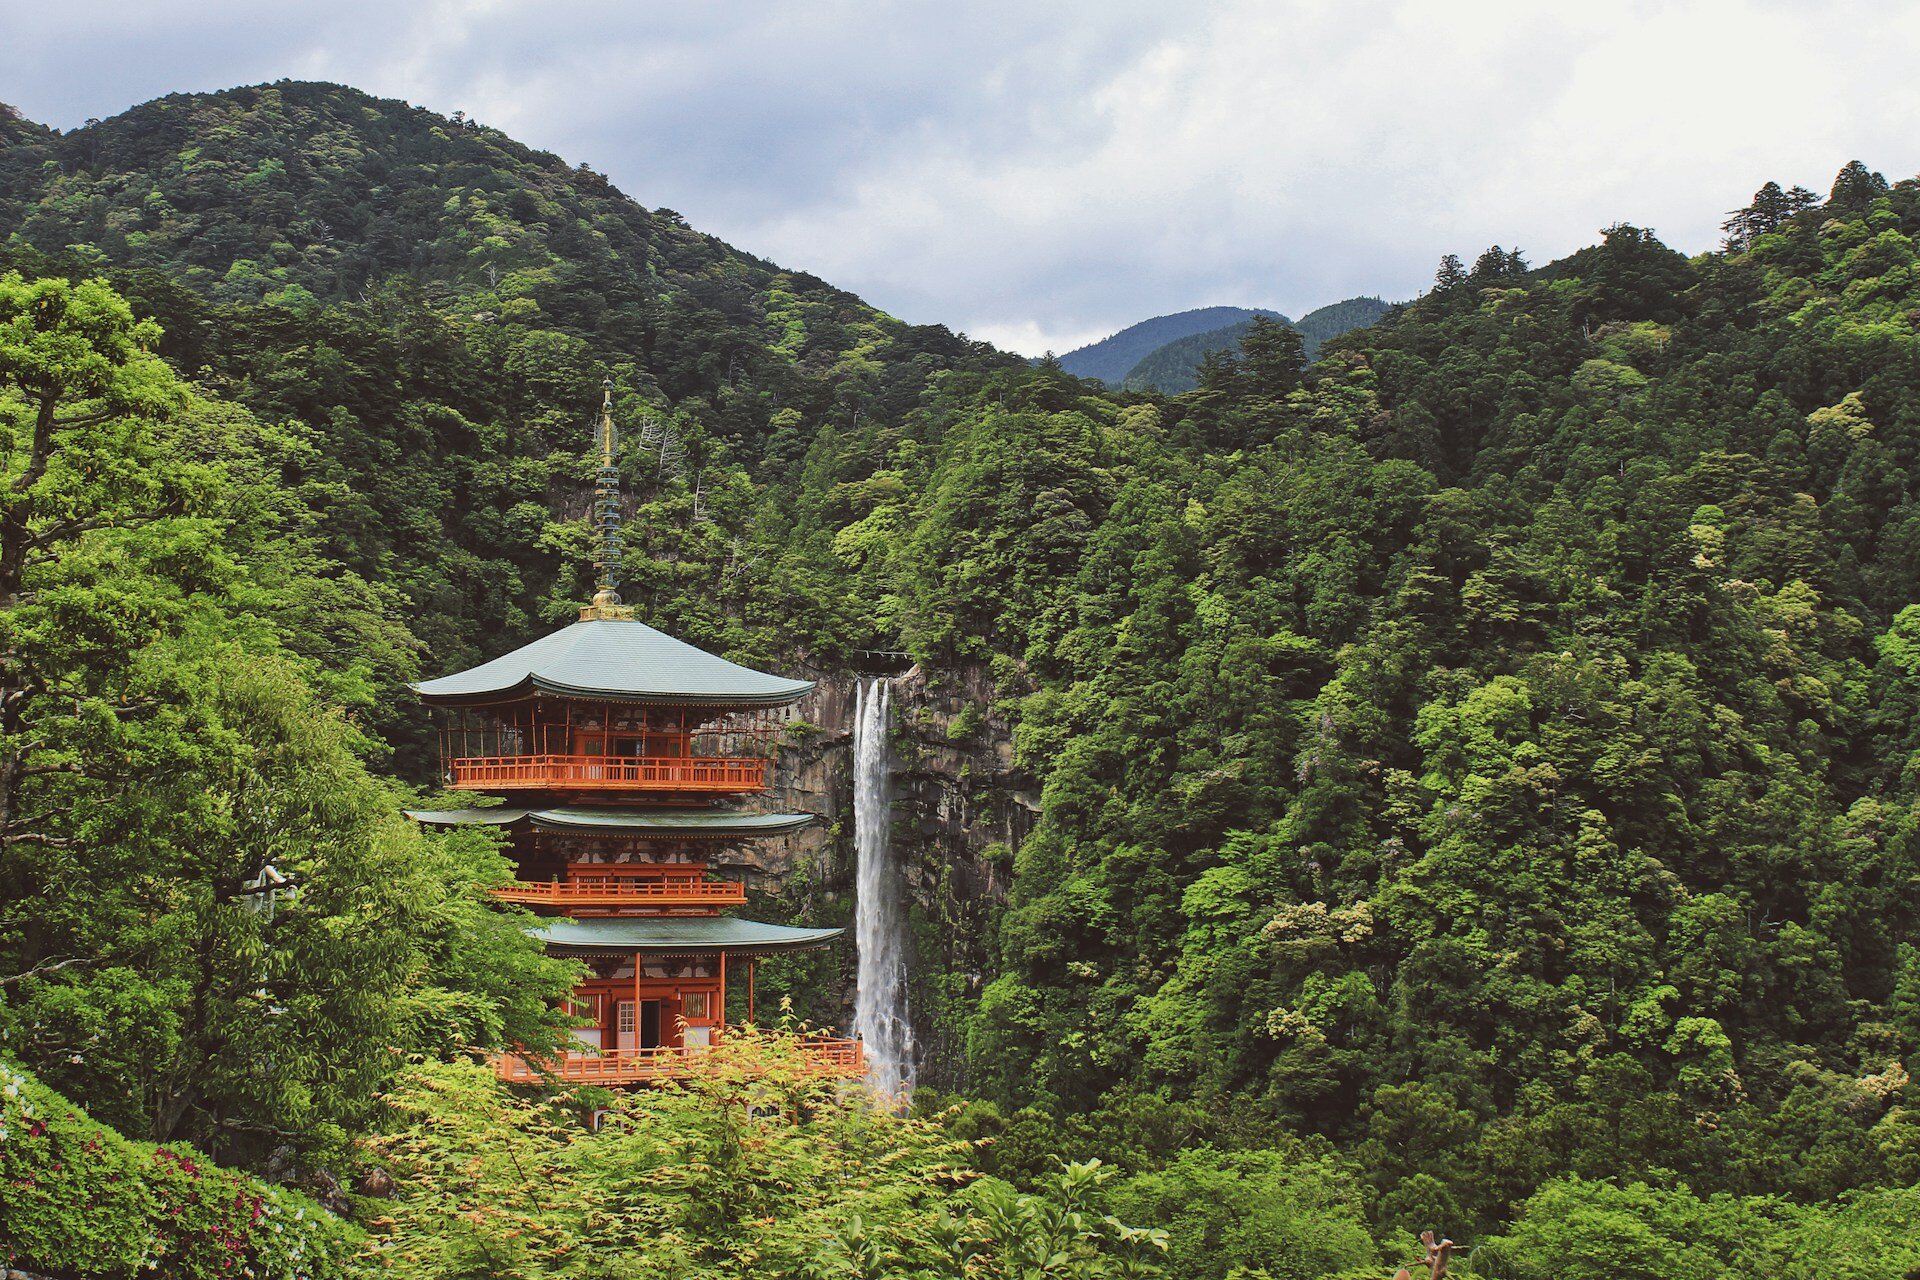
x=1042, y=174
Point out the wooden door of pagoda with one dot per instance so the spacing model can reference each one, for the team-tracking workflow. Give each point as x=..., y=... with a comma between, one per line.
x=637, y=1032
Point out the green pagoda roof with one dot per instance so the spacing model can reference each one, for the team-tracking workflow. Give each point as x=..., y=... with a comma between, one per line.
x=618, y=659
x=686, y=824
x=677, y=935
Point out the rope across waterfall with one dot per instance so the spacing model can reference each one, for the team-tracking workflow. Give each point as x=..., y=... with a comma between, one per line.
x=880, y=919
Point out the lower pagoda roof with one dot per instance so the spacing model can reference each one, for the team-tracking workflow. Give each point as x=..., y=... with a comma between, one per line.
x=680, y=935
x=685, y=824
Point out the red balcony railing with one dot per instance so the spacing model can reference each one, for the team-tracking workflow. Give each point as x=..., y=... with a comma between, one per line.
x=637, y=1066
x=609, y=773
x=612, y=892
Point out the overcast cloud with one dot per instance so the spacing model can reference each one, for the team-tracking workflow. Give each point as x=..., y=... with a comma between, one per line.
x=1042, y=174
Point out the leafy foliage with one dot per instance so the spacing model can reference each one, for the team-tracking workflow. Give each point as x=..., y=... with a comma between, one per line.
x=1575, y=1230
x=215, y=926
x=78, y=1199
x=752, y=1166
x=1491, y=751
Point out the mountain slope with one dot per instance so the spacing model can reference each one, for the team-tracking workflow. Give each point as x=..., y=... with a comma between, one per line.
x=1323, y=324
x=1110, y=359
x=435, y=306
x=1174, y=368
x=295, y=192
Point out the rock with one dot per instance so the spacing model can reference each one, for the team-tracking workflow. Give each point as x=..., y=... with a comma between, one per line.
x=325, y=1188
x=960, y=810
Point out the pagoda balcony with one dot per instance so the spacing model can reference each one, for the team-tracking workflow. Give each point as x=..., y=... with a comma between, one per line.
x=594, y=894
x=708, y=774
x=640, y=1066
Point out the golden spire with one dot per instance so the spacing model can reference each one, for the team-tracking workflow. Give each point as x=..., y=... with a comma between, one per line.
x=606, y=519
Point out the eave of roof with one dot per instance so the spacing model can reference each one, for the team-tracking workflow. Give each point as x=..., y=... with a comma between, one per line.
x=676, y=935
x=617, y=660
x=686, y=824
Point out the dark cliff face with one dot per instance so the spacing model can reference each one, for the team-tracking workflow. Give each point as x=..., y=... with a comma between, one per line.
x=960, y=808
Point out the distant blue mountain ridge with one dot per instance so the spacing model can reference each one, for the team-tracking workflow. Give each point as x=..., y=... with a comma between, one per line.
x=1165, y=352
x=1112, y=359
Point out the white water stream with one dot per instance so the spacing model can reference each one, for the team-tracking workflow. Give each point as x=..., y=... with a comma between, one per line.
x=879, y=912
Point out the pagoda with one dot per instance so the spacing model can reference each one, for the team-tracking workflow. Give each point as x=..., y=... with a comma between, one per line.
x=616, y=751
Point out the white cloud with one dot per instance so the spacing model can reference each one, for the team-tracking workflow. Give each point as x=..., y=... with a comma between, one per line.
x=1042, y=174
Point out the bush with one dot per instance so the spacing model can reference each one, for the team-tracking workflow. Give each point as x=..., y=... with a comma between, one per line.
x=77, y=1199
x=1293, y=1217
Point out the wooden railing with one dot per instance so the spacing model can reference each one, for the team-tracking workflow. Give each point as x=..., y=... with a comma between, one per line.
x=637, y=1066
x=624, y=891
x=609, y=773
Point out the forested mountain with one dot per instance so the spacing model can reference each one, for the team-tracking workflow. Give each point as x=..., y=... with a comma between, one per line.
x=1475, y=771
x=1175, y=368
x=1109, y=359
x=1324, y=324
x=426, y=299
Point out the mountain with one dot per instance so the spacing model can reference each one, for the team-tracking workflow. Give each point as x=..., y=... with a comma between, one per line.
x=1472, y=780
x=295, y=193
x=1324, y=324
x=435, y=305
x=1174, y=368
x=1110, y=359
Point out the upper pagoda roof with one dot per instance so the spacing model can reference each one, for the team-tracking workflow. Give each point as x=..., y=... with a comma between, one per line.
x=618, y=659
x=716, y=824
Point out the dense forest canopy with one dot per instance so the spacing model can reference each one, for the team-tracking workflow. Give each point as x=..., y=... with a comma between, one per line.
x=1477, y=769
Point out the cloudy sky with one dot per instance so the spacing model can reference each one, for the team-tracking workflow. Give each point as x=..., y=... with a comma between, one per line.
x=1042, y=174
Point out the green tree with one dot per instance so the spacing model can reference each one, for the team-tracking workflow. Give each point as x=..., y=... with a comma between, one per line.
x=215, y=926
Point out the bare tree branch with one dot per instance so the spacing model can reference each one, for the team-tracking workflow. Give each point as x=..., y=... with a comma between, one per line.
x=46, y=967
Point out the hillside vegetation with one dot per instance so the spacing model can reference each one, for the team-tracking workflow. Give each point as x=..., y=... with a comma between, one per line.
x=425, y=300
x=1490, y=748
x=1477, y=770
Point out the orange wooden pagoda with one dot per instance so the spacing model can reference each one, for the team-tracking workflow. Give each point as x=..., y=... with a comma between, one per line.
x=615, y=750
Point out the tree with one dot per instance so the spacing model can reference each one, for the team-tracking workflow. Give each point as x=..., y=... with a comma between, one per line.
x=1272, y=358
x=214, y=923
x=1855, y=188
x=1769, y=210
x=1282, y=1213
x=1496, y=265
x=1451, y=276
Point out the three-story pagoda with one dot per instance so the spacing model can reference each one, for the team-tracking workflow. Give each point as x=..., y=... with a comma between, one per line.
x=616, y=751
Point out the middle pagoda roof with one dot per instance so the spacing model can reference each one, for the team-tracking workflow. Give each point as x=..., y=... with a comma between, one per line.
x=677, y=936
x=684, y=824
x=617, y=660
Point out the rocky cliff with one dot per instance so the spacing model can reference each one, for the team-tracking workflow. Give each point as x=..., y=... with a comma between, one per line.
x=960, y=809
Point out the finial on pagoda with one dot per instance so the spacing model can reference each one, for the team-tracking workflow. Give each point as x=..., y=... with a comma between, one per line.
x=606, y=519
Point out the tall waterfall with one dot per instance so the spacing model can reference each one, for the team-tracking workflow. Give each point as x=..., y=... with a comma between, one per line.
x=879, y=913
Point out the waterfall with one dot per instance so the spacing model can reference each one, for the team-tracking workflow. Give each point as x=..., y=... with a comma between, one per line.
x=879, y=912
